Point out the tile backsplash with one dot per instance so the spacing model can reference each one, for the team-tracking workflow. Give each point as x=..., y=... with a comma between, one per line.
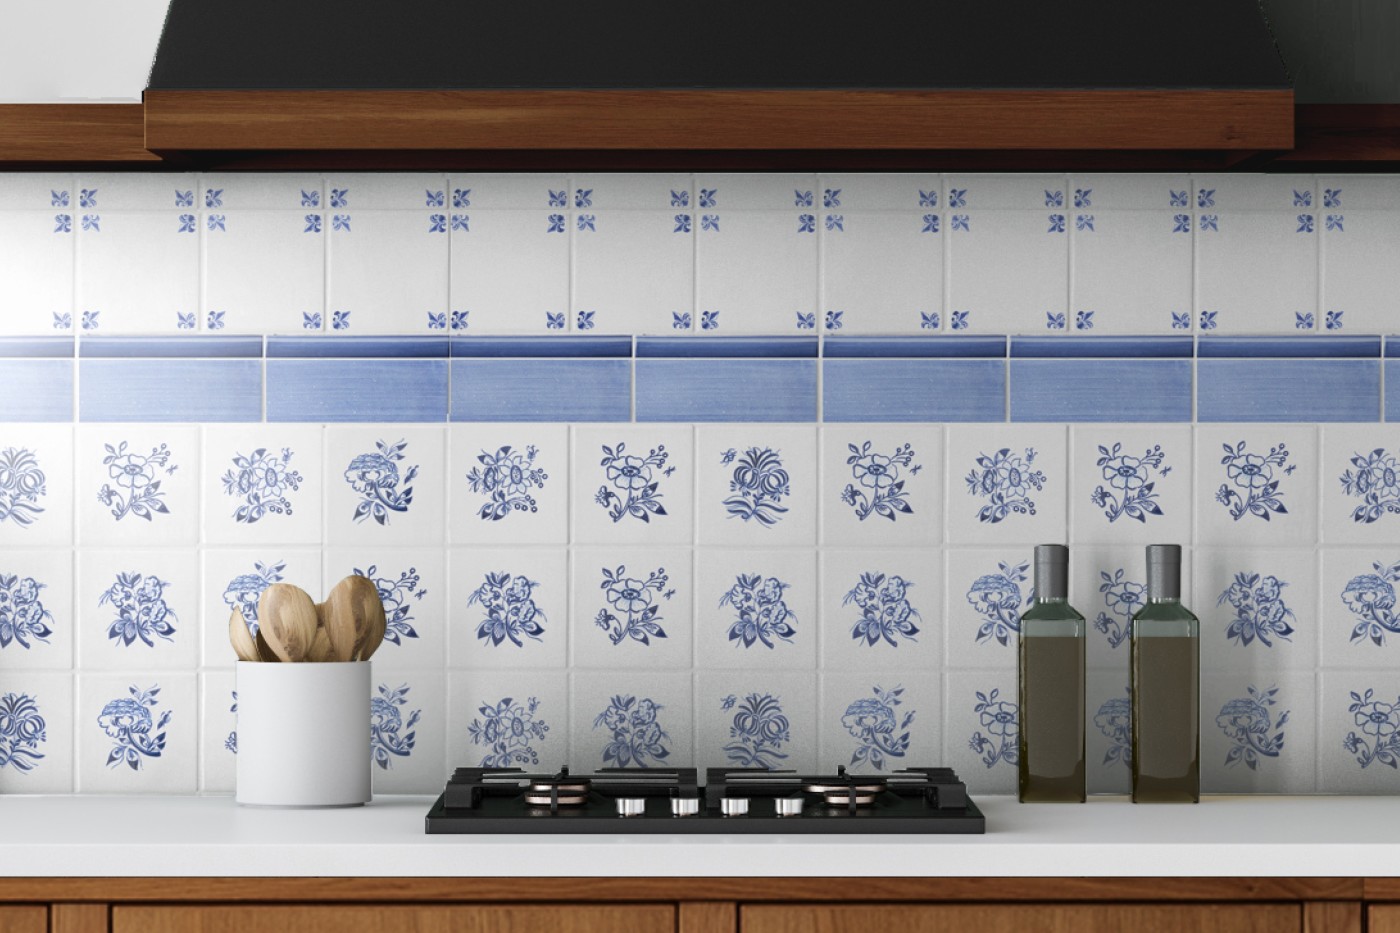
x=696, y=469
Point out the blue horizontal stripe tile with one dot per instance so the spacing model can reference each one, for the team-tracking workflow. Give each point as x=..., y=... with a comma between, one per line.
x=914, y=390
x=542, y=390
x=1392, y=347
x=36, y=390
x=169, y=390
x=1100, y=390
x=1288, y=390
x=346, y=348
x=1140, y=348
x=36, y=347
x=1283, y=348
x=914, y=347
x=727, y=347
x=726, y=390
x=184, y=348
x=541, y=347
x=1392, y=390
x=357, y=390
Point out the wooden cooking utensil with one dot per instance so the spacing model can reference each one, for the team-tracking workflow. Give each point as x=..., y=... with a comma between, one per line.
x=287, y=620
x=244, y=645
x=265, y=652
x=374, y=637
x=321, y=649
x=354, y=615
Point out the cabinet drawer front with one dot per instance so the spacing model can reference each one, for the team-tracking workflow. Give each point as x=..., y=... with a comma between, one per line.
x=1383, y=918
x=24, y=920
x=554, y=918
x=1025, y=918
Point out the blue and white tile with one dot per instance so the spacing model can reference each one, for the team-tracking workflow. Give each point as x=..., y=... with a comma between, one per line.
x=1108, y=585
x=632, y=608
x=262, y=484
x=235, y=579
x=981, y=729
x=1360, y=484
x=36, y=485
x=882, y=485
x=1108, y=732
x=1358, y=731
x=881, y=610
x=218, y=732
x=1258, y=735
x=138, y=609
x=633, y=484
x=137, y=733
x=408, y=730
x=37, y=220
x=756, y=610
x=508, y=719
x=508, y=484
x=1360, y=226
x=1360, y=628
x=758, y=484
x=1256, y=484
x=412, y=584
x=881, y=272
x=1131, y=271
x=1007, y=484
x=508, y=608
x=1131, y=484
x=1258, y=609
x=137, y=271
x=757, y=719
x=633, y=719
x=506, y=191
x=757, y=191
x=510, y=272
x=36, y=609
x=37, y=190
x=138, y=485
x=878, y=723
x=632, y=191
x=879, y=191
x=36, y=740
x=135, y=191
x=985, y=593
x=385, y=485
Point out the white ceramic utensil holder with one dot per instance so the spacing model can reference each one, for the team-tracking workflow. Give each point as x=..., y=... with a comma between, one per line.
x=303, y=734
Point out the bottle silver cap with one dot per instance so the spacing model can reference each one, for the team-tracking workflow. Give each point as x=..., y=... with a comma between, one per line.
x=1051, y=571
x=1164, y=571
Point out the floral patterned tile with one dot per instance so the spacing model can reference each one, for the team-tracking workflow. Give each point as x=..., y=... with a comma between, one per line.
x=408, y=731
x=632, y=720
x=1257, y=484
x=137, y=733
x=1108, y=585
x=36, y=733
x=632, y=608
x=508, y=608
x=758, y=485
x=881, y=610
x=981, y=729
x=412, y=584
x=633, y=484
x=882, y=485
x=1360, y=484
x=1257, y=736
x=508, y=719
x=384, y=485
x=757, y=719
x=1358, y=732
x=138, y=609
x=986, y=592
x=1007, y=484
x=1360, y=628
x=218, y=732
x=36, y=485
x=235, y=579
x=262, y=484
x=138, y=485
x=756, y=609
x=508, y=483
x=1130, y=484
x=1258, y=609
x=1108, y=732
x=37, y=624
x=880, y=722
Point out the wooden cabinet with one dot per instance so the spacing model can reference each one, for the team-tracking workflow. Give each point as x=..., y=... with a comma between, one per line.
x=406, y=918
x=1383, y=918
x=1023, y=918
x=24, y=919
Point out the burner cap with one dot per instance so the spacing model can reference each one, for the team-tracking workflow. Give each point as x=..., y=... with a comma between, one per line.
x=842, y=798
x=568, y=792
x=865, y=786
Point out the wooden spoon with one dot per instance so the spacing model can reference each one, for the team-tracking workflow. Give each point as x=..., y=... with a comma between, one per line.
x=287, y=619
x=354, y=613
x=242, y=639
x=378, y=624
x=265, y=652
x=321, y=649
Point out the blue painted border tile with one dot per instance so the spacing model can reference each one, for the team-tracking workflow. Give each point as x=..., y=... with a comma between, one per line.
x=914, y=390
x=542, y=390
x=36, y=390
x=169, y=390
x=727, y=390
x=1282, y=348
x=727, y=347
x=949, y=347
x=1101, y=347
x=1288, y=390
x=52, y=348
x=540, y=347
x=357, y=390
x=184, y=348
x=1100, y=390
x=1392, y=347
x=347, y=348
x=1392, y=390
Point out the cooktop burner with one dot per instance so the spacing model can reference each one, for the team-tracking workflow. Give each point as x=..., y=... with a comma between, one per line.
x=731, y=800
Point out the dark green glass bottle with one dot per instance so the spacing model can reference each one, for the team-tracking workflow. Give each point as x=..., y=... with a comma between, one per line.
x=1051, y=752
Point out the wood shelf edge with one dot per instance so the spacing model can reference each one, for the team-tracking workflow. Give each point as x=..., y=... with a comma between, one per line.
x=73, y=133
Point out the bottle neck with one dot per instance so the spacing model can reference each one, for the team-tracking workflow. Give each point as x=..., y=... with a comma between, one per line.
x=1052, y=600
x=1164, y=599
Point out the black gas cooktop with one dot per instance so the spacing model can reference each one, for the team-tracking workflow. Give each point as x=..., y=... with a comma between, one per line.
x=731, y=800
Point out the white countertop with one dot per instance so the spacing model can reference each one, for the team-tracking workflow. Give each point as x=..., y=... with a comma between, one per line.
x=193, y=836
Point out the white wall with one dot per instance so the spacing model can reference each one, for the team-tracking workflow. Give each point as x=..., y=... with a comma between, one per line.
x=55, y=51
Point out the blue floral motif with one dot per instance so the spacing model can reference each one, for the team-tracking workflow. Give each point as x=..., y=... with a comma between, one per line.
x=462, y=197
x=1181, y=223
x=709, y=320
x=511, y=611
x=340, y=222
x=375, y=478
x=1303, y=320
x=682, y=223
x=836, y=222
x=397, y=597
x=22, y=483
x=1181, y=320
x=214, y=197
x=87, y=197
x=231, y=743
x=136, y=475
x=957, y=197
x=22, y=730
x=311, y=320
x=928, y=198
x=434, y=198
x=461, y=222
x=1246, y=723
x=244, y=591
x=873, y=722
x=22, y=613
x=1255, y=489
x=185, y=321
x=139, y=602
x=583, y=197
x=1084, y=223
x=1084, y=320
x=997, y=599
x=340, y=320
x=802, y=198
x=1369, y=596
x=437, y=223
x=709, y=197
x=554, y=321
x=1376, y=482
x=1379, y=723
x=709, y=222
x=505, y=478
x=63, y=321
x=60, y=199
x=1177, y=198
x=1208, y=320
x=758, y=730
x=1057, y=223
x=584, y=320
x=340, y=197
x=1005, y=480
x=558, y=198
x=807, y=321
x=635, y=613
x=1335, y=222
x=806, y=223
x=1260, y=611
x=509, y=732
x=680, y=198
x=1122, y=598
x=635, y=489
x=1054, y=320
x=883, y=493
x=1333, y=321
x=680, y=320
x=216, y=222
x=928, y=320
x=762, y=613
x=556, y=223
x=1205, y=197
x=1131, y=476
x=1002, y=721
x=63, y=223
x=459, y=319
x=1305, y=223
x=831, y=197
x=638, y=740
x=758, y=482
x=390, y=736
x=136, y=734
x=261, y=481
x=1302, y=198
x=1054, y=198
x=187, y=223
x=960, y=221
x=92, y=222
x=588, y=222
x=930, y=224
x=214, y=320
x=437, y=321
x=885, y=611
x=1209, y=222
x=310, y=198
x=1083, y=197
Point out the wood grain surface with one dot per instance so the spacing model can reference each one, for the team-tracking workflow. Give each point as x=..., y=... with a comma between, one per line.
x=24, y=920
x=572, y=918
x=1042, y=918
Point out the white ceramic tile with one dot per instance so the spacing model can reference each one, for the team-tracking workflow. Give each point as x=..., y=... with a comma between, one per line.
x=1131, y=270
x=1237, y=501
x=510, y=271
x=1131, y=484
x=1358, y=732
x=218, y=732
x=1359, y=279
x=138, y=609
x=981, y=729
x=756, y=609
x=235, y=578
x=881, y=192
x=756, y=271
x=412, y=584
x=880, y=722
x=497, y=191
x=385, y=485
x=1255, y=192
x=37, y=190
x=632, y=719
x=387, y=191
x=408, y=730
x=287, y=248
x=861, y=467
x=135, y=191
x=1359, y=626
x=982, y=298
x=36, y=270
x=36, y=502
x=137, y=271
x=757, y=719
x=986, y=592
x=633, y=270
x=38, y=744
x=633, y=484
x=1006, y=484
x=508, y=483
x=138, y=485
x=1108, y=585
x=882, y=273
x=1360, y=483
x=881, y=610
x=1256, y=272
x=137, y=733
x=758, y=484
x=1108, y=733
x=1129, y=191
x=508, y=608
x=636, y=191
x=387, y=271
x=1257, y=737
x=508, y=719
x=36, y=613
x=1258, y=609
x=242, y=191
x=757, y=192
x=262, y=484
x=631, y=608
x=1006, y=192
